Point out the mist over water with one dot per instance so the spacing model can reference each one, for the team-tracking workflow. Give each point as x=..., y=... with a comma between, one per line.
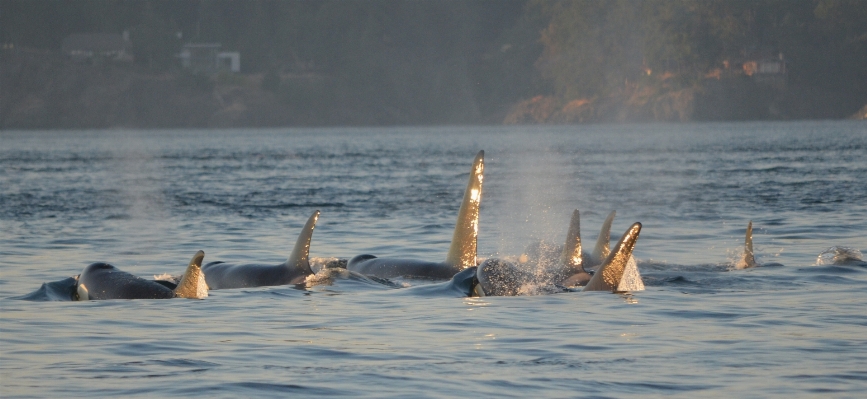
x=146, y=201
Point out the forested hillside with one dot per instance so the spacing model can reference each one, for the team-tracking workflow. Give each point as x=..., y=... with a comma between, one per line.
x=384, y=62
x=662, y=59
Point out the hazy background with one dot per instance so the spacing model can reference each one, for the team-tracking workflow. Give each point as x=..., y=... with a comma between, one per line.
x=389, y=62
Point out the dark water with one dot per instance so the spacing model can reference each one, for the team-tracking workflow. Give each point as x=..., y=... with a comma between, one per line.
x=146, y=201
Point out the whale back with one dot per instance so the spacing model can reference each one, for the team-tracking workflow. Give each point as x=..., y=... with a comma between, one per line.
x=103, y=281
x=497, y=277
x=222, y=275
x=610, y=273
x=462, y=252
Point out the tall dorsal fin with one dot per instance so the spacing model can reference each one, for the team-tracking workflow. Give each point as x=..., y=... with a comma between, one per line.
x=603, y=242
x=609, y=274
x=301, y=253
x=462, y=252
x=749, y=259
x=571, y=256
x=192, y=284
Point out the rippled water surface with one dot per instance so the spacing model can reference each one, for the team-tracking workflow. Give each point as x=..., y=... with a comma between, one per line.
x=146, y=201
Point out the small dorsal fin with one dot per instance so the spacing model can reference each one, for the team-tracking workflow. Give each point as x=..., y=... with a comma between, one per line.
x=571, y=256
x=631, y=280
x=192, y=284
x=609, y=274
x=81, y=293
x=462, y=252
x=301, y=253
x=602, y=249
x=749, y=259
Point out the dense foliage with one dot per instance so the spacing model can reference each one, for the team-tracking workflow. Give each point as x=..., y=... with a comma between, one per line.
x=592, y=47
x=458, y=61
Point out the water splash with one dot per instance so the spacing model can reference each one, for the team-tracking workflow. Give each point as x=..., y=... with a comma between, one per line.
x=838, y=256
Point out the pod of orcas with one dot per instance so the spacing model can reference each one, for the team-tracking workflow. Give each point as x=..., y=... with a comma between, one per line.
x=540, y=269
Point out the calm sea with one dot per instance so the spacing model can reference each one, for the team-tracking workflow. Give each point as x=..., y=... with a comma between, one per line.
x=146, y=201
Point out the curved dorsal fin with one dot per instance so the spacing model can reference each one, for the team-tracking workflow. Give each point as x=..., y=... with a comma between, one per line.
x=462, y=252
x=571, y=256
x=301, y=252
x=192, y=284
x=609, y=274
x=602, y=249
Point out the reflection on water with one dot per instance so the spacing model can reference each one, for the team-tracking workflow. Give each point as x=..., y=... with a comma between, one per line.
x=628, y=297
x=144, y=200
x=475, y=302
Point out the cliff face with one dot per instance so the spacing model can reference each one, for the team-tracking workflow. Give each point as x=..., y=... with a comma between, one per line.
x=643, y=105
x=732, y=99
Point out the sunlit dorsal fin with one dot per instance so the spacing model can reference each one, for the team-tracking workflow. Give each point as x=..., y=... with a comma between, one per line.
x=609, y=274
x=602, y=249
x=192, y=284
x=81, y=293
x=462, y=252
x=631, y=280
x=571, y=256
x=749, y=259
x=300, y=257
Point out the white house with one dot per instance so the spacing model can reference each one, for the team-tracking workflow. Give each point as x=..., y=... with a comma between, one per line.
x=207, y=58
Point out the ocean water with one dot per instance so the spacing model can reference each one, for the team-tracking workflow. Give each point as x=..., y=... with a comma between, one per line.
x=146, y=201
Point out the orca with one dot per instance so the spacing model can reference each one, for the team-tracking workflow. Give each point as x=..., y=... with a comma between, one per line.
x=497, y=277
x=541, y=253
x=572, y=265
x=574, y=273
x=462, y=252
x=631, y=279
x=461, y=285
x=100, y=281
x=748, y=259
x=335, y=270
x=602, y=248
x=841, y=256
x=222, y=275
x=610, y=274
x=572, y=259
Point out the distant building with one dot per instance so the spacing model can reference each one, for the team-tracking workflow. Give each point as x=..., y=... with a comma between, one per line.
x=766, y=67
x=207, y=58
x=90, y=46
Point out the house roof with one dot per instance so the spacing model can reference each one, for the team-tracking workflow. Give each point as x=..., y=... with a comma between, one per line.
x=203, y=45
